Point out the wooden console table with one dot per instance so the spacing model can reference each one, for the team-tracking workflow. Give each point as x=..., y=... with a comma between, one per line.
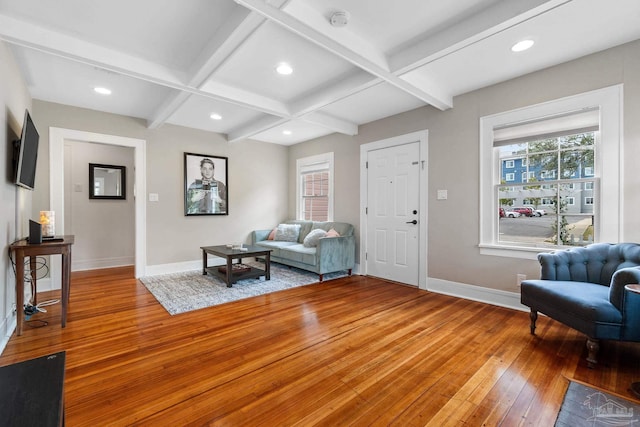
x=23, y=249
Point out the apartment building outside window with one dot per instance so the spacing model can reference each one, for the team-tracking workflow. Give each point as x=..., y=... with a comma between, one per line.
x=315, y=187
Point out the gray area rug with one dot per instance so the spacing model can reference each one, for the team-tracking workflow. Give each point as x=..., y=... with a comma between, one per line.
x=187, y=291
x=586, y=406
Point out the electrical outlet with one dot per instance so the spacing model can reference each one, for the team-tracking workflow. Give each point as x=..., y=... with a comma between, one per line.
x=519, y=279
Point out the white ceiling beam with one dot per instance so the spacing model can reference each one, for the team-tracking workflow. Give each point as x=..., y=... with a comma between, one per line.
x=493, y=20
x=331, y=122
x=26, y=34
x=344, y=87
x=366, y=63
x=255, y=127
x=166, y=109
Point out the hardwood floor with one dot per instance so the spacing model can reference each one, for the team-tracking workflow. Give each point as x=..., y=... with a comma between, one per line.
x=352, y=351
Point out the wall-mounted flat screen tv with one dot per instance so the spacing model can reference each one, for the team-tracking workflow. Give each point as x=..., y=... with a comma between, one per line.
x=28, y=154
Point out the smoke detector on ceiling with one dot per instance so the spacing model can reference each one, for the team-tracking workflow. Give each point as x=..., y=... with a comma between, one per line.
x=339, y=18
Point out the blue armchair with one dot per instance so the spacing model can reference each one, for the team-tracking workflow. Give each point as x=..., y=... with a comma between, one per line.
x=584, y=288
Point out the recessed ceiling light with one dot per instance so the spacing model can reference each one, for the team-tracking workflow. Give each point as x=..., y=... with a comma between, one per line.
x=216, y=116
x=286, y=132
x=102, y=90
x=522, y=45
x=284, y=69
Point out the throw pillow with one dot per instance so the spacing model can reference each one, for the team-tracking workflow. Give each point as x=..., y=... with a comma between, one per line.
x=311, y=241
x=332, y=233
x=287, y=232
x=272, y=235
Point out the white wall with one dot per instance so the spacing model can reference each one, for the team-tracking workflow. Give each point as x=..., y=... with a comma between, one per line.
x=15, y=203
x=104, y=229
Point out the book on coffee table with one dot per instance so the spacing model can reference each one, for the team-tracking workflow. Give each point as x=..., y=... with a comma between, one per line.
x=235, y=268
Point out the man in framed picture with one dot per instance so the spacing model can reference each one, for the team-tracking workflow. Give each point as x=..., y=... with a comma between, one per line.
x=207, y=195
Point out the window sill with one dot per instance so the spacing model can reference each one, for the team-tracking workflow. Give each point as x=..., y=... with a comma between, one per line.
x=521, y=252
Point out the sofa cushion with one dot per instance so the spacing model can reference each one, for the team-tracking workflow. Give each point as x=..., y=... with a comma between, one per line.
x=586, y=301
x=332, y=233
x=287, y=232
x=299, y=253
x=311, y=241
x=275, y=246
x=272, y=235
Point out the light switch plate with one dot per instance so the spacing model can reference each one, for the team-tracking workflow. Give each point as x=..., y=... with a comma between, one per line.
x=153, y=197
x=442, y=195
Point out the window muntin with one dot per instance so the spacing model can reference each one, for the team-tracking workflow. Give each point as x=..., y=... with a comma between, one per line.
x=564, y=156
x=315, y=188
x=315, y=196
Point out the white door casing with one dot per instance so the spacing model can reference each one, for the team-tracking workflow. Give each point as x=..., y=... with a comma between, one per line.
x=393, y=187
x=57, y=136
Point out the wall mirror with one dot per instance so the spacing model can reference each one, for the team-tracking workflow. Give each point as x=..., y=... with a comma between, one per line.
x=107, y=181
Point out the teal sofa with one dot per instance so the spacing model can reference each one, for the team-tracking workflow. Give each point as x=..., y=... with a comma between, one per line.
x=584, y=288
x=330, y=254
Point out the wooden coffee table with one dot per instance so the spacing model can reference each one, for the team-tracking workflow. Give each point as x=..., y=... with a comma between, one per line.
x=227, y=272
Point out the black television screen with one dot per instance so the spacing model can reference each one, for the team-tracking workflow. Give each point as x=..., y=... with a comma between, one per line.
x=28, y=154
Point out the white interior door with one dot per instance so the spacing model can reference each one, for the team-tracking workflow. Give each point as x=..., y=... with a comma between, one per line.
x=393, y=213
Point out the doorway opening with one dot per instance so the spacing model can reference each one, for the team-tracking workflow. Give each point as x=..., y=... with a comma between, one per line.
x=57, y=138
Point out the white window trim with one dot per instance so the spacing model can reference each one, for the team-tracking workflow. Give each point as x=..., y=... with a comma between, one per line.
x=324, y=162
x=608, y=164
x=510, y=176
x=509, y=164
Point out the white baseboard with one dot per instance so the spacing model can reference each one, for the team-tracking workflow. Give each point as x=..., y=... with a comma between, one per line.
x=476, y=293
x=180, y=267
x=7, y=327
x=96, y=264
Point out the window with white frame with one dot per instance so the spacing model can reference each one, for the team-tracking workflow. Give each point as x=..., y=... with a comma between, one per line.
x=315, y=187
x=509, y=164
x=528, y=176
x=573, y=144
x=510, y=177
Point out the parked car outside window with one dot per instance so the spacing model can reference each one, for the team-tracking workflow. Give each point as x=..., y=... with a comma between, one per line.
x=524, y=211
x=537, y=212
x=511, y=214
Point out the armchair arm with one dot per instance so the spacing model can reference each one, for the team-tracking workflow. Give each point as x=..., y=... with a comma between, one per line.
x=336, y=253
x=259, y=236
x=620, y=279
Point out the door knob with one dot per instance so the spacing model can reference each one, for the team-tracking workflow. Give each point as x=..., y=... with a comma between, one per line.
x=412, y=222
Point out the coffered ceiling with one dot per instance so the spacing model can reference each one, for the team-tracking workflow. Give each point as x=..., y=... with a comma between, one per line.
x=179, y=62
